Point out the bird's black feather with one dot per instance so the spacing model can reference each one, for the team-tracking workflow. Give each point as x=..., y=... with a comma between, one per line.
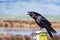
x=42, y=22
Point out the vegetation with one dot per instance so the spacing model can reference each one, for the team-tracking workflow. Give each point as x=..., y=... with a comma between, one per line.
x=7, y=36
x=24, y=24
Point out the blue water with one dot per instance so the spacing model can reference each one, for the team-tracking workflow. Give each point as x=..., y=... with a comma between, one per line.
x=22, y=31
x=11, y=17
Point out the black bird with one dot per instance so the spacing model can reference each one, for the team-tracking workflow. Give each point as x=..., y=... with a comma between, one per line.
x=42, y=22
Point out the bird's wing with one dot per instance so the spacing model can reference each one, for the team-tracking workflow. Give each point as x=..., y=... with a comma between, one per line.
x=46, y=21
x=41, y=19
x=38, y=19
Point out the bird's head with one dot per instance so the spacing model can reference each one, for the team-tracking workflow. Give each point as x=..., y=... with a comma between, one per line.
x=33, y=14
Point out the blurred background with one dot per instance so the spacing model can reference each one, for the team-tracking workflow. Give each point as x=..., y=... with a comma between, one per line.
x=17, y=9
x=14, y=20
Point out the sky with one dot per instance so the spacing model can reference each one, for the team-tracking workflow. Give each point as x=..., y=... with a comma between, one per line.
x=20, y=7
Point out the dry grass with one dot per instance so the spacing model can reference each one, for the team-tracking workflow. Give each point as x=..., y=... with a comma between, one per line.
x=21, y=37
x=56, y=37
x=14, y=37
x=24, y=24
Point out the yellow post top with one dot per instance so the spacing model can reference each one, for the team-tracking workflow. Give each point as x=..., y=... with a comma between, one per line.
x=43, y=36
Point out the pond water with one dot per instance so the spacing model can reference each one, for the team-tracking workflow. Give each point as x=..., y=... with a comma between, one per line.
x=22, y=31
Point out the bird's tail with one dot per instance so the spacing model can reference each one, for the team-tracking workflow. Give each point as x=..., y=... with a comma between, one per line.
x=49, y=32
x=52, y=30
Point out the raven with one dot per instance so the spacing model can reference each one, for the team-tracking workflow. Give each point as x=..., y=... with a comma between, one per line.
x=42, y=22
